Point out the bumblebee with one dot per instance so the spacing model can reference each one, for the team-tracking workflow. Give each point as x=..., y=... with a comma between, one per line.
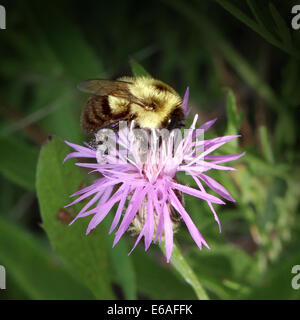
x=151, y=103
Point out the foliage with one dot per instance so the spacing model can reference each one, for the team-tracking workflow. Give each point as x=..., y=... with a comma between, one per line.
x=241, y=62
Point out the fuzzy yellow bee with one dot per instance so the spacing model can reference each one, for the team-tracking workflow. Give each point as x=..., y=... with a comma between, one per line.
x=151, y=103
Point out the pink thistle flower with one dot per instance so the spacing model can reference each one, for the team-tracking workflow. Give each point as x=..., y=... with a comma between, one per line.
x=145, y=178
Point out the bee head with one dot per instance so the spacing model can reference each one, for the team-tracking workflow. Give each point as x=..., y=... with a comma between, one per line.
x=175, y=119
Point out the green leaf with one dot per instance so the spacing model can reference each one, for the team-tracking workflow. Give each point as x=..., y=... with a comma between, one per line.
x=18, y=162
x=275, y=283
x=259, y=15
x=215, y=40
x=70, y=49
x=30, y=265
x=239, y=14
x=282, y=28
x=261, y=26
x=289, y=87
x=181, y=265
x=285, y=131
x=269, y=214
x=266, y=144
x=237, y=267
x=85, y=256
x=257, y=26
x=233, y=116
x=122, y=265
x=123, y=270
x=65, y=105
x=138, y=70
x=157, y=281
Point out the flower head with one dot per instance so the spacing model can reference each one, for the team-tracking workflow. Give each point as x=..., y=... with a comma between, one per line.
x=138, y=169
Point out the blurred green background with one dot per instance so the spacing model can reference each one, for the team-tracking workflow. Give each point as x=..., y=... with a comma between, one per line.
x=241, y=62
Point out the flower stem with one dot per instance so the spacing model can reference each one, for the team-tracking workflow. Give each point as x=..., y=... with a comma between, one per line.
x=181, y=265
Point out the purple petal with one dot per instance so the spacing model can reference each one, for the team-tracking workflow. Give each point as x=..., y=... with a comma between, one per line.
x=149, y=231
x=88, y=165
x=208, y=124
x=159, y=213
x=188, y=112
x=216, y=186
x=84, y=152
x=215, y=141
x=103, y=210
x=84, y=196
x=196, y=235
x=196, y=193
x=185, y=101
x=138, y=240
x=87, y=206
x=131, y=211
x=77, y=155
x=144, y=229
x=205, y=166
x=115, y=198
x=206, y=152
x=97, y=183
x=224, y=139
x=225, y=158
x=208, y=202
x=168, y=233
x=160, y=228
x=120, y=209
x=217, y=145
x=107, y=194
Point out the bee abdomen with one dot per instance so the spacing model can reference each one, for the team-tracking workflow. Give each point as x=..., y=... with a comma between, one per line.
x=95, y=113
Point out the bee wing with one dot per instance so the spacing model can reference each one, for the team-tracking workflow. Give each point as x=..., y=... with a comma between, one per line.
x=116, y=88
x=103, y=87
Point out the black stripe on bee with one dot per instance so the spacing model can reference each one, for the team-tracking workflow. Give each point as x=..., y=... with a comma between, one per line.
x=105, y=105
x=98, y=108
x=174, y=120
x=162, y=87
